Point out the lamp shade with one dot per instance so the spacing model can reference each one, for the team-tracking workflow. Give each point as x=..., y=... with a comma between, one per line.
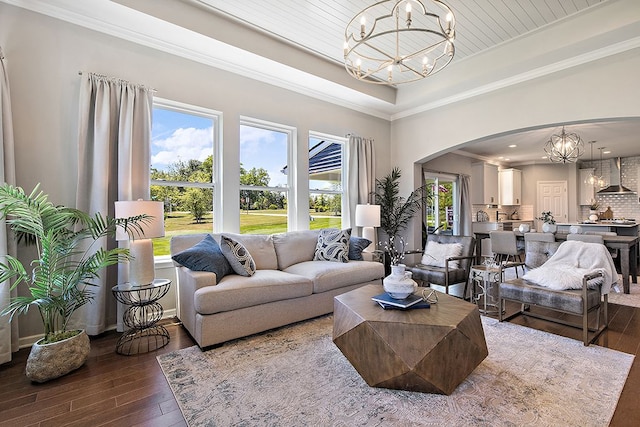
x=152, y=228
x=367, y=215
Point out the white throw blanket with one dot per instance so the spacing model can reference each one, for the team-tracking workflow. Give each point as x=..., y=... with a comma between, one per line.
x=573, y=259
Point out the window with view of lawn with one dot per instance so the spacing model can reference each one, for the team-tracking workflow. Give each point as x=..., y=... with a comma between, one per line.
x=182, y=147
x=184, y=141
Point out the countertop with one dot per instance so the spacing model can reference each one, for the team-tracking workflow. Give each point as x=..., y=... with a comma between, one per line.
x=611, y=223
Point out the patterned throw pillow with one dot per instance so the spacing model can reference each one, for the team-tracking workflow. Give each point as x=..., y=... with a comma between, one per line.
x=205, y=256
x=333, y=245
x=238, y=256
x=356, y=246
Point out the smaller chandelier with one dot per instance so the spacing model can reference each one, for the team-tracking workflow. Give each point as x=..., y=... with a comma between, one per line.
x=399, y=41
x=564, y=148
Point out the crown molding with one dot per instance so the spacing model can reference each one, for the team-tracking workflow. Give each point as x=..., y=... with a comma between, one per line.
x=119, y=21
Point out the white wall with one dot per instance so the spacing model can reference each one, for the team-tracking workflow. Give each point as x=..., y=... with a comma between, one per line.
x=606, y=88
x=44, y=56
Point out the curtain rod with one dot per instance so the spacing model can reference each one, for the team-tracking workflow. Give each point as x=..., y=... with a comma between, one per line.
x=119, y=79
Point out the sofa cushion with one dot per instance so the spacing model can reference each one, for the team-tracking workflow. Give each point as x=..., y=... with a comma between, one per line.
x=205, y=256
x=356, y=246
x=527, y=292
x=328, y=275
x=260, y=246
x=234, y=292
x=238, y=256
x=333, y=245
x=295, y=246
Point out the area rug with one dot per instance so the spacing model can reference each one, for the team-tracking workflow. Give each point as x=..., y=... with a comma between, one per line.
x=296, y=376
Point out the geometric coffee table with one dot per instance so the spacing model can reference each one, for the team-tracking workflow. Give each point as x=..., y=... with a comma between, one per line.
x=430, y=350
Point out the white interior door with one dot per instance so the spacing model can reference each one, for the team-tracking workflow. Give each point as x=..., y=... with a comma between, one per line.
x=552, y=196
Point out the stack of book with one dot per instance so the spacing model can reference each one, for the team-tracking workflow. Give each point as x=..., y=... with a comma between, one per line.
x=412, y=301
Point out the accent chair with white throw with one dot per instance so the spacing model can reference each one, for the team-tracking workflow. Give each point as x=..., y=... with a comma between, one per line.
x=446, y=261
x=573, y=277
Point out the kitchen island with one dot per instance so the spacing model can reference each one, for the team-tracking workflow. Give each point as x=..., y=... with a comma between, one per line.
x=620, y=227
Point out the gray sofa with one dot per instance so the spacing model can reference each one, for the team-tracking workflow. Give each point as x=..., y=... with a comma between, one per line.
x=287, y=287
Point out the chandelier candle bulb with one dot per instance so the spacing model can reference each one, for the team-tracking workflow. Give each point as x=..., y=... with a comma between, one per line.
x=363, y=23
x=408, y=9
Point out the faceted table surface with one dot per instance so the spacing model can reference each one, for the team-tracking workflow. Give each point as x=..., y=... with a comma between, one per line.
x=429, y=350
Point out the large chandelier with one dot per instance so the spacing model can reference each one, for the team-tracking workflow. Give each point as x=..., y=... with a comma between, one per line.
x=564, y=148
x=399, y=41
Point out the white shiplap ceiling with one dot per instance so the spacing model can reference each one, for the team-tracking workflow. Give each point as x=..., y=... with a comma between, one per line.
x=318, y=25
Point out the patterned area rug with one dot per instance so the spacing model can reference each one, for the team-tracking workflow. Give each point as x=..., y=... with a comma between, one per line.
x=296, y=376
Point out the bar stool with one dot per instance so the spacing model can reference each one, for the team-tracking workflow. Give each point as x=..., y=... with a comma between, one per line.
x=504, y=247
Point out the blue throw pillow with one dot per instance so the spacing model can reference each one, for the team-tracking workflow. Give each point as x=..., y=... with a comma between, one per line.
x=356, y=246
x=205, y=256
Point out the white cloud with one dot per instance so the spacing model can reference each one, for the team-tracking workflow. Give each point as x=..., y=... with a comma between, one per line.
x=183, y=144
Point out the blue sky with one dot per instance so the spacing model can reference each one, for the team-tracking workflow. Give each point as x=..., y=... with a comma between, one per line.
x=179, y=136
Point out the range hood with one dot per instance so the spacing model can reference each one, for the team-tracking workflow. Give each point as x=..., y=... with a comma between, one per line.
x=615, y=179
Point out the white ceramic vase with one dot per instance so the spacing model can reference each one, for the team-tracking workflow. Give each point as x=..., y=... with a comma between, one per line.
x=547, y=227
x=593, y=215
x=524, y=228
x=399, y=284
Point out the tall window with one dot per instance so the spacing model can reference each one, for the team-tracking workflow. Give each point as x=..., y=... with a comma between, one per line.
x=326, y=177
x=442, y=213
x=264, y=181
x=182, y=168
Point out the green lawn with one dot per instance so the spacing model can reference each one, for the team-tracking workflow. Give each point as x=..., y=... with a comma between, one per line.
x=254, y=222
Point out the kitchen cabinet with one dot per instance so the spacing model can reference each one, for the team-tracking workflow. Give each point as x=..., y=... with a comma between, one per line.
x=484, y=184
x=586, y=191
x=510, y=187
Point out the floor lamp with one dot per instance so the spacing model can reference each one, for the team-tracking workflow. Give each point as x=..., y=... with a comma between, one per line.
x=368, y=217
x=141, y=267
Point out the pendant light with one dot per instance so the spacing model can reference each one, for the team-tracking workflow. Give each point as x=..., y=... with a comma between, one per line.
x=592, y=179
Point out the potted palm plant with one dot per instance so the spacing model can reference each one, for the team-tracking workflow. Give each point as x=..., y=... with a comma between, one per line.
x=396, y=212
x=67, y=263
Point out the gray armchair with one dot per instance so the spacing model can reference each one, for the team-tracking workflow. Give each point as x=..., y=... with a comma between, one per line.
x=448, y=275
x=578, y=302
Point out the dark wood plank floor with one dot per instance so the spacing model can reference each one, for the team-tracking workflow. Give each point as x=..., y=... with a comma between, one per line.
x=115, y=390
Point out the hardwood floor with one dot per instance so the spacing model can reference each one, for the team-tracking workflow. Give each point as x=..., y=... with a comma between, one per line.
x=115, y=390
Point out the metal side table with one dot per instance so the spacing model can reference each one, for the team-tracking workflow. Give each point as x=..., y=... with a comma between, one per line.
x=486, y=280
x=141, y=316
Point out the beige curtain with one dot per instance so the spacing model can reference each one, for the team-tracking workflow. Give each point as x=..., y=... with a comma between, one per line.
x=361, y=175
x=114, y=140
x=8, y=330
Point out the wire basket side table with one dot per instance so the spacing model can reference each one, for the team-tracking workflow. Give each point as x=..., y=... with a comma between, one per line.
x=141, y=317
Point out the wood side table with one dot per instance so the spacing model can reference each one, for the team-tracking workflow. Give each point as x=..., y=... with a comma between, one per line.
x=141, y=316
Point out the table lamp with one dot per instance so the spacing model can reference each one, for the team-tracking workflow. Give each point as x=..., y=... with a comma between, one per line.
x=368, y=217
x=141, y=267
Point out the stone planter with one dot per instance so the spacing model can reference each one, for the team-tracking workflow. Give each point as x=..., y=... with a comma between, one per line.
x=49, y=361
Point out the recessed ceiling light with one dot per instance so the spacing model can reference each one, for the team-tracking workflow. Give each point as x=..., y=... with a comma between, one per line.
x=607, y=152
x=513, y=146
x=507, y=159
